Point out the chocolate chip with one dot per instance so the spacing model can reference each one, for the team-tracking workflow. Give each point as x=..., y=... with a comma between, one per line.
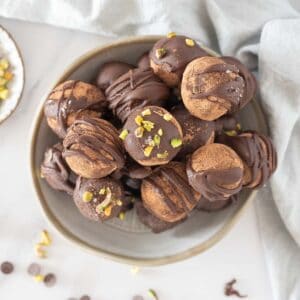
x=7, y=267
x=50, y=280
x=138, y=297
x=34, y=269
x=85, y=297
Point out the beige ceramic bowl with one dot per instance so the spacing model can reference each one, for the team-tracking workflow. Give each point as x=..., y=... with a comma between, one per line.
x=129, y=241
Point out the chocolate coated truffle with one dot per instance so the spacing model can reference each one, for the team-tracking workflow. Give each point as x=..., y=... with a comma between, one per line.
x=196, y=132
x=152, y=136
x=92, y=148
x=170, y=55
x=70, y=100
x=258, y=154
x=167, y=194
x=154, y=223
x=55, y=170
x=214, y=86
x=99, y=199
x=111, y=71
x=135, y=89
x=215, y=171
x=144, y=61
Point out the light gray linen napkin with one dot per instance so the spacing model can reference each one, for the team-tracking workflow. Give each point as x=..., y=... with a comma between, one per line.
x=265, y=35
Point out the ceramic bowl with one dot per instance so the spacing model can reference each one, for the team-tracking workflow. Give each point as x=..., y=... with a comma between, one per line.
x=129, y=241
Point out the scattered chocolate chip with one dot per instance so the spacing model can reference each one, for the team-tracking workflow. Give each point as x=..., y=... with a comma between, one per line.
x=85, y=297
x=50, y=280
x=138, y=297
x=7, y=267
x=34, y=269
x=229, y=290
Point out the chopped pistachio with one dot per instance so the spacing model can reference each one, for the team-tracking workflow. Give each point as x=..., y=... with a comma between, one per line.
x=138, y=120
x=231, y=132
x=146, y=112
x=4, y=94
x=87, y=196
x=171, y=34
x=8, y=75
x=162, y=155
x=3, y=81
x=151, y=143
x=108, y=198
x=148, y=125
x=160, y=132
x=152, y=294
x=45, y=238
x=139, y=132
x=238, y=126
x=160, y=52
x=102, y=191
x=99, y=208
x=4, y=64
x=167, y=117
x=148, y=151
x=119, y=202
x=123, y=134
x=39, y=278
x=107, y=210
x=122, y=215
x=39, y=251
x=175, y=142
x=156, y=140
x=190, y=42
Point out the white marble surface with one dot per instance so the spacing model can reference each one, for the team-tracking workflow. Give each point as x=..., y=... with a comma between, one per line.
x=46, y=51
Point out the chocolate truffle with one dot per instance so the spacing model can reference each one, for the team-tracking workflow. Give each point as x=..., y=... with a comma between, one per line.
x=210, y=206
x=214, y=86
x=152, y=136
x=154, y=223
x=111, y=71
x=92, y=148
x=55, y=170
x=135, y=89
x=258, y=155
x=167, y=194
x=196, y=132
x=215, y=171
x=170, y=55
x=99, y=199
x=71, y=100
x=144, y=61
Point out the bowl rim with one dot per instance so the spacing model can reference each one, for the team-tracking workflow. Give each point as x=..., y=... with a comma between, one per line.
x=23, y=71
x=69, y=236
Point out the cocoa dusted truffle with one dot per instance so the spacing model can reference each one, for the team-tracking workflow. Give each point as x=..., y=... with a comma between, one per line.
x=258, y=155
x=152, y=136
x=215, y=171
x=135, y=89
x=167, y=194
x=111, y=71
x=55, y=170
x=92, y=148
x=154, y=223
x=99, y=199
x=170, y=55
x=196, y=132
x=144, y=61
x=214, y=86
x=70, y=100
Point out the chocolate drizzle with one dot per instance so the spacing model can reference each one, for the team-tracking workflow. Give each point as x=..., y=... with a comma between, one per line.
x=60, y=109
x=137, y=88
x=212, y=183
x=97, y=135
x=55, y=170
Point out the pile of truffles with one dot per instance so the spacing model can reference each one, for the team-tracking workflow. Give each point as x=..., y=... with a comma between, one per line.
x=161, y=136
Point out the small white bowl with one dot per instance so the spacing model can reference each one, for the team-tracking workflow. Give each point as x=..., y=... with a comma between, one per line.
x=10, y=50
x=129, y=241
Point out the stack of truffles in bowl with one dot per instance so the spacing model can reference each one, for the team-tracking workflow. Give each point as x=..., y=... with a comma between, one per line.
x=164, y=133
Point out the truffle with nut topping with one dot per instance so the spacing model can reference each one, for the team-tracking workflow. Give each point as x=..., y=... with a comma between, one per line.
x=99, y=199
x=196, y=132
x=144, y=61
x=214, y=86
x=111, y=71
x=55, y=170
x=135, y=89
x=215, y=171
x=152, y=136
x=71, y=100
x=170, y=55
x=258, y=155
x=167, y=194
x=155, y=224
x=92, y=148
